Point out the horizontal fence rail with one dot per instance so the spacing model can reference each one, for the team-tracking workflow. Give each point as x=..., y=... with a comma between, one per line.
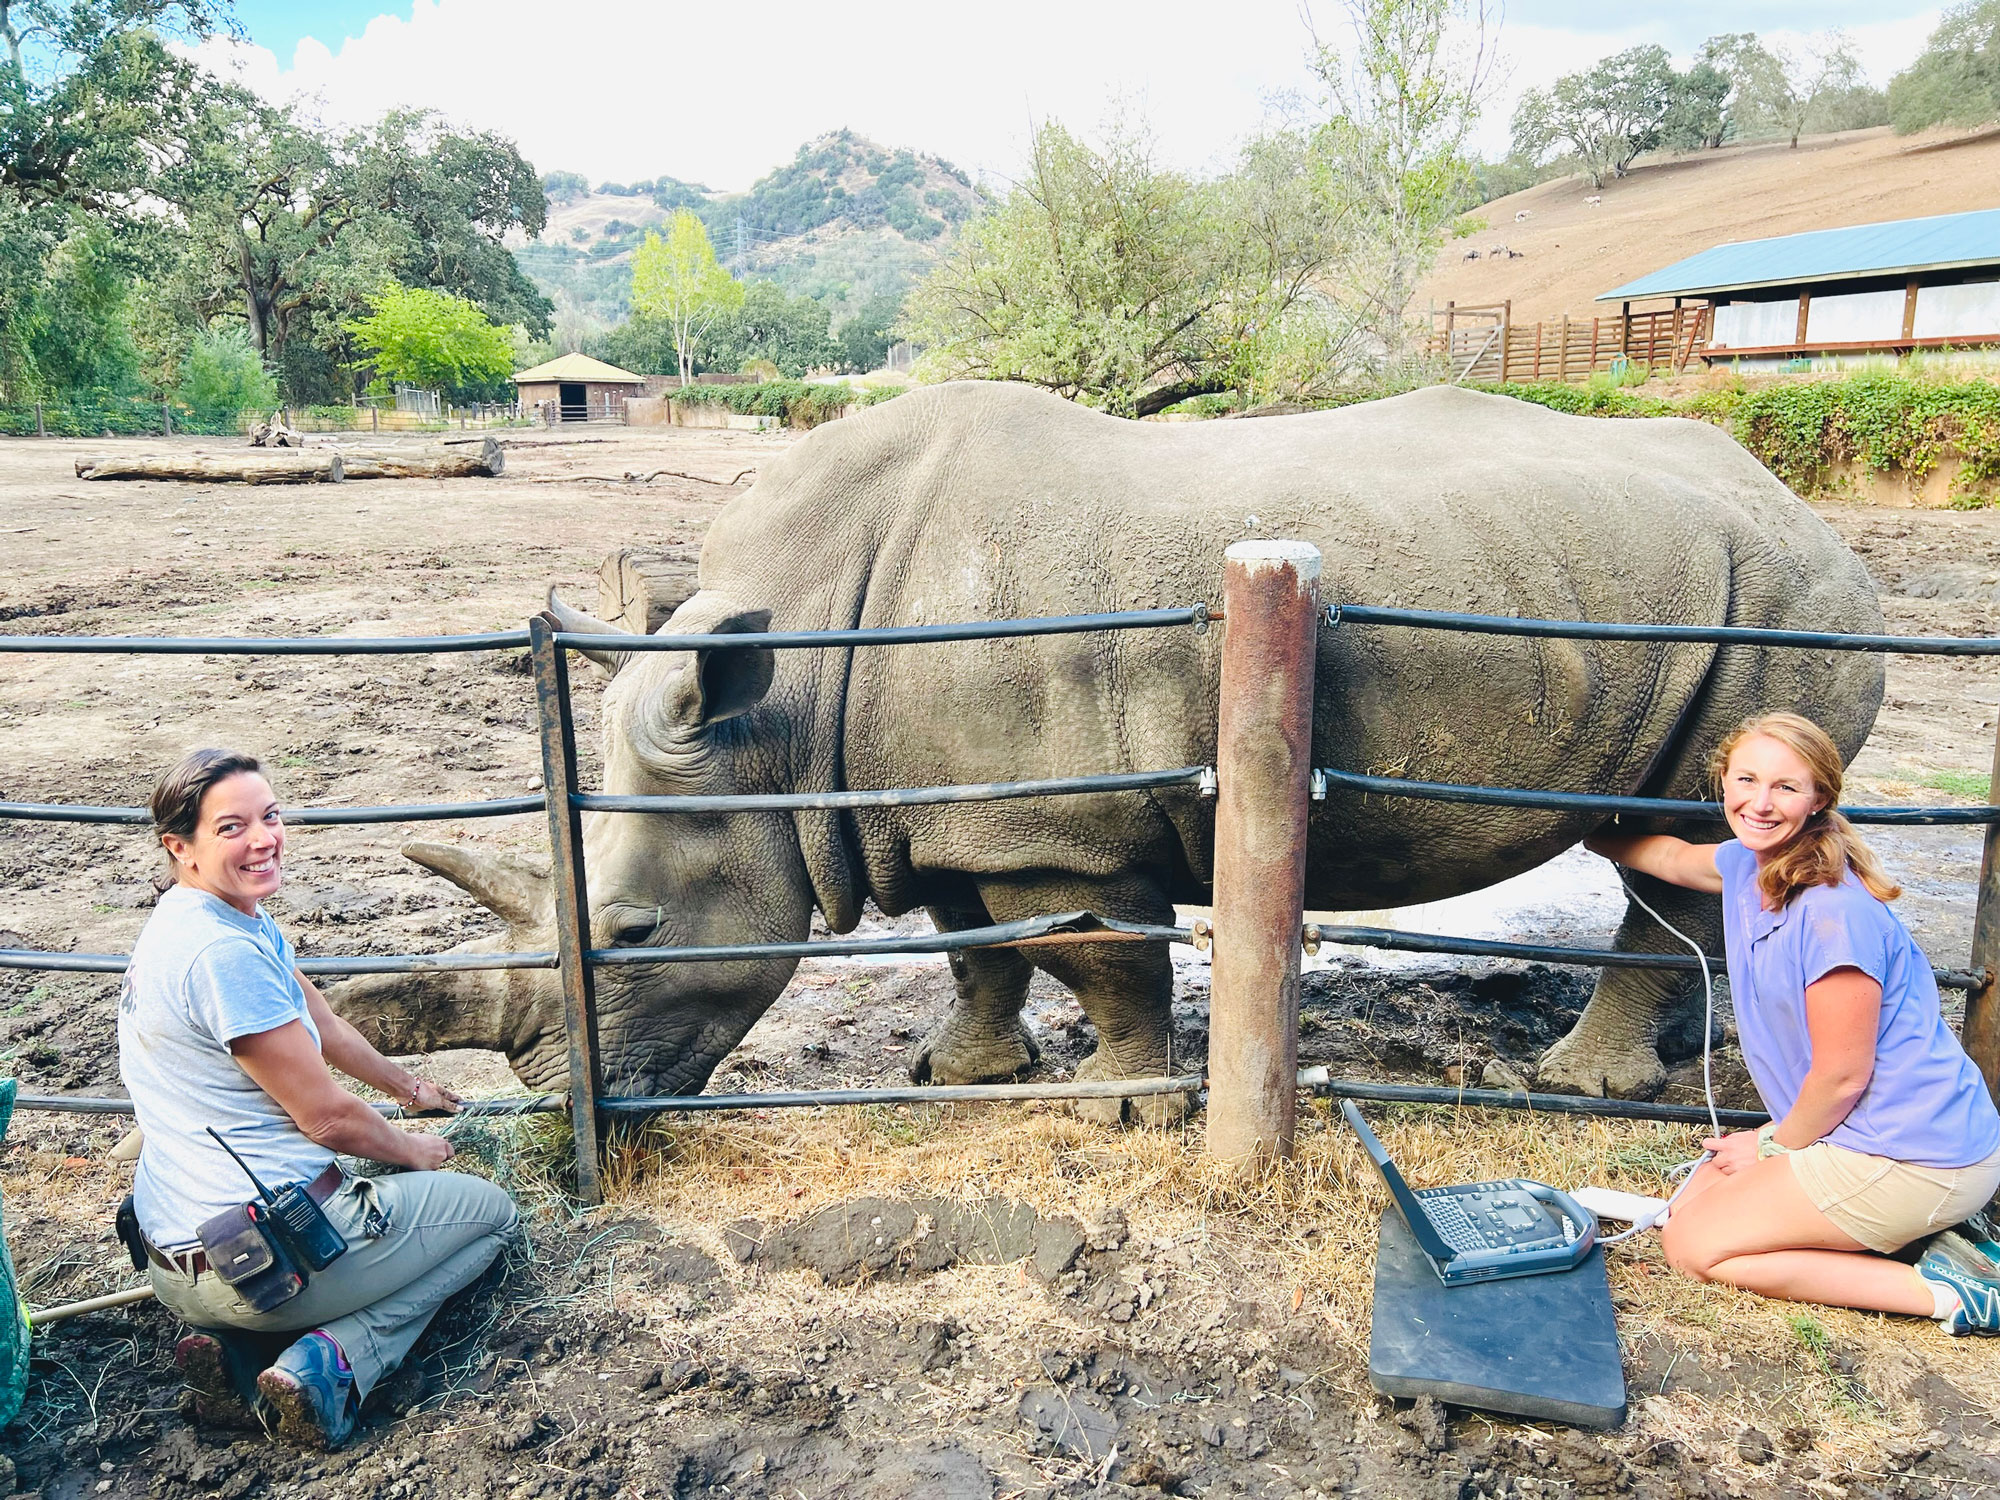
x=909, y=796
x=362, y=963
x=253, y=645
x=564, y=803
x=1399, y=941
x=1196, y=615
x=1653, y=807
x=298, y=817
x=1725, y=635
x=1074, y=926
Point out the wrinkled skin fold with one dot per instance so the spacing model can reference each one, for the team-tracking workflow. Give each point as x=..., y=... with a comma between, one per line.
x=978, y=501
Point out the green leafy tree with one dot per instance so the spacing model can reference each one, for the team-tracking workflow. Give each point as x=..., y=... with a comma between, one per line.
x=223, y=375
x=92, y=99
x=1697, y=116
x=866, y=338
x=1956, y=79
x=1098, y=275
x=677, y=280
x=1401, y=95
x=82, y=341
x=419, y=337
x=788, y=332
x=292, y=228
x=1606, y=115
x=1755, y=76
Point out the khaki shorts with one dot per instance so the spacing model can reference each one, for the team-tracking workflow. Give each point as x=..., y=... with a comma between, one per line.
x=1885, y=1204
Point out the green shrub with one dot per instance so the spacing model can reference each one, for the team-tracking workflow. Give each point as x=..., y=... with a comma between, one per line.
x=801, y=403
x=1882, y=420
x=223, y=375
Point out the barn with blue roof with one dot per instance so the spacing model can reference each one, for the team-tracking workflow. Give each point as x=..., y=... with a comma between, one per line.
x=1834, y=295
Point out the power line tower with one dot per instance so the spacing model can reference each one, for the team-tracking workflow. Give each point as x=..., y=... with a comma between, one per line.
x=740, y=239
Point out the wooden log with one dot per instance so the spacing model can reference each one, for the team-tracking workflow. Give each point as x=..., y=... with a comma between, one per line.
x=429, y=461
x=639, y=590
x=284, y=466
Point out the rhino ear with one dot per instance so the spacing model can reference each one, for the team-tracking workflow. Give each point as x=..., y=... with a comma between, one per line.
x=726, y=681
x=505, y=884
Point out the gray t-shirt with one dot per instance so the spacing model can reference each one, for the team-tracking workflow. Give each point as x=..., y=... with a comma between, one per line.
x=203, y=974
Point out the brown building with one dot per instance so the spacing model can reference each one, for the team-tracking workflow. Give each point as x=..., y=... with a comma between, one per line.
x=581, y=389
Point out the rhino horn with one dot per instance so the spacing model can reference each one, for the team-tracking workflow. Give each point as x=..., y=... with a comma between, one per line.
x=579, y=623
x=504, y=884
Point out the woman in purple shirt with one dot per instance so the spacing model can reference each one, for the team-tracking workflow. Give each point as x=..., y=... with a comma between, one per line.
x=1882, y=1131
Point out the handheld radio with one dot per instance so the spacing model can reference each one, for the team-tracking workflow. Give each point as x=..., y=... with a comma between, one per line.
x=301, y=1223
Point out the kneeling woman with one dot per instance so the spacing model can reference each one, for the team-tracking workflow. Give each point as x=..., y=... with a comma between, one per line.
x=217, y=1027
x=1882, y=1131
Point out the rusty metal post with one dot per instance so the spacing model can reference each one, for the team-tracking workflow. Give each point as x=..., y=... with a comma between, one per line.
x=1263, y=764
x=572, y=897
x=1981, y=1032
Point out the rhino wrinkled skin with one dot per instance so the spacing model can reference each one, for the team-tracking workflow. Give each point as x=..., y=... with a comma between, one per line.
x=990, y=501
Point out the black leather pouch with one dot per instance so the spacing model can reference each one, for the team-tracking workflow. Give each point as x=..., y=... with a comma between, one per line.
x=127, y=1225
x=250, y=1258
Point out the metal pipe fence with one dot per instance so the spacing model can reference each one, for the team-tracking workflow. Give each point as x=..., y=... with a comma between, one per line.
x=564, y=803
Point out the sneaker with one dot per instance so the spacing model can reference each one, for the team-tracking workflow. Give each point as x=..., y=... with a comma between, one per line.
x=215, y=1374
x=1951, y=1260
x=309, y=1393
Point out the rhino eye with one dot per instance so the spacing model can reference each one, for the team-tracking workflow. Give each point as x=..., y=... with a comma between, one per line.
x=632, y=934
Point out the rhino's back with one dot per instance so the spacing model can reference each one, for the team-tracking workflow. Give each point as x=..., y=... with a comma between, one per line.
x=988, y=501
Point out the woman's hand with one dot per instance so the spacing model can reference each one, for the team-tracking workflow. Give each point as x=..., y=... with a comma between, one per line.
x=433, y=1096
x=1732, y=1152
x=426, y=1153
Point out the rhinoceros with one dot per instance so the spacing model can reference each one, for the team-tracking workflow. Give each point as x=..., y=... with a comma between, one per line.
x=988, y=501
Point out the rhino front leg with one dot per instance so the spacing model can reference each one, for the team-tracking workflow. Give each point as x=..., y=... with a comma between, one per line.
x=983, y=1039
x=1613, y=1050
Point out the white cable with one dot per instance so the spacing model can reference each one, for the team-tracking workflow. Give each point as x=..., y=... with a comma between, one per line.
x=1686, y=1170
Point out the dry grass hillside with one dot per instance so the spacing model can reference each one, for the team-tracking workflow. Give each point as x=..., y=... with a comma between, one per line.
x=1670, y=207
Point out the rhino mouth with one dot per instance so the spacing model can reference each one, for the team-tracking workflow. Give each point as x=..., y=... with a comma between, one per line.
x=633, y=1068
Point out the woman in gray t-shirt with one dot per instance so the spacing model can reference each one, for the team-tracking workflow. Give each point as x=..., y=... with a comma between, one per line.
x=218, y=1028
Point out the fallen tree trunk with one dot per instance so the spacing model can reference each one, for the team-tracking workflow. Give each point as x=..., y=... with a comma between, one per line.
x=638, y=590
x=285, y=466
x=427, y=462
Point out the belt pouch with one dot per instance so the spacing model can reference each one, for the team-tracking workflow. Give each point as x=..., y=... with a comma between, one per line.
x=247, y=1255
x=129, y=1235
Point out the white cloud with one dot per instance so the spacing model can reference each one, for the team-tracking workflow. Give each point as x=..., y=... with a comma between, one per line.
x=721, y=95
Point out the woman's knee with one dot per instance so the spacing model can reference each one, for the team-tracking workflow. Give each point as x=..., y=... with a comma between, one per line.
x=1686, y=1251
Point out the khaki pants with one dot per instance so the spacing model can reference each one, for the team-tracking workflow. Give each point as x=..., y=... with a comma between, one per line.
x=444, y=1229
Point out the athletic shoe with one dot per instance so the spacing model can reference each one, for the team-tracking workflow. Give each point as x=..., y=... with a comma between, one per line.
x=312, y=1397
x=220, y=1380
x=1948, y=1261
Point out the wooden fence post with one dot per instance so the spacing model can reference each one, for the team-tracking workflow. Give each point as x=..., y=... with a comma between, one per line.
x=572, y=897
x=1981, y=1032
x=1506, y=335
x=1263, y=764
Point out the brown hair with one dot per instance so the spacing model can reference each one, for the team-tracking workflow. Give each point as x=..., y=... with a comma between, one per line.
x=176, y=800
x=1827, y=847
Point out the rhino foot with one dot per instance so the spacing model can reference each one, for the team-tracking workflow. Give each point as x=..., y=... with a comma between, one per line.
x=1156, y=1110
x=960, y=1051
x=1579, y=1064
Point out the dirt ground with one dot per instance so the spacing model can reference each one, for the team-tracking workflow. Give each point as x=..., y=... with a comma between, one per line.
x=884, y=1302
x=1569, y=250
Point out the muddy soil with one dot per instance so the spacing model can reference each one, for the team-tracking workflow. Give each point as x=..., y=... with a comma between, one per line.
x=983, y=1350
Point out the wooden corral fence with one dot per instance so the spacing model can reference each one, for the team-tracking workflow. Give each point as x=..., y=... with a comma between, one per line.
x=1483, y=345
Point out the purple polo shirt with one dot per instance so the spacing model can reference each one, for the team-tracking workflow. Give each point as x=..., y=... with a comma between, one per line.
x=1926, y=1104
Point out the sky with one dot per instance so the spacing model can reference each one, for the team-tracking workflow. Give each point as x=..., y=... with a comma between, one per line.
x=700, y=93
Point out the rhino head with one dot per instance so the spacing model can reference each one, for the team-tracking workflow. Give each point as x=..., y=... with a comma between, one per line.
x=673, y=722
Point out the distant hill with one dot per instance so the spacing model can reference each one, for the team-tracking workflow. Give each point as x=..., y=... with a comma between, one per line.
x=1566, y=250
x=846, y=220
